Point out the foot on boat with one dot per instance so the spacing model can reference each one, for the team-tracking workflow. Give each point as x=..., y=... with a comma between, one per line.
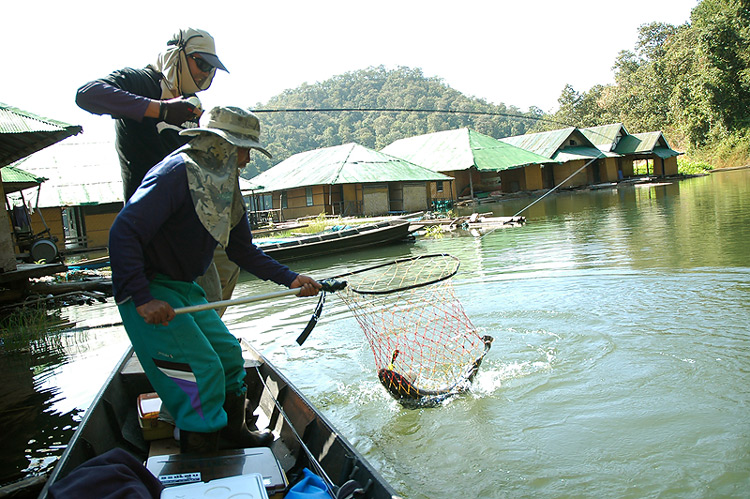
x=193, y=442
x=236, y=434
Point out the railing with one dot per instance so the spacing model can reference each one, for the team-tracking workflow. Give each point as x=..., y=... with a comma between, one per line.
x=263, y=217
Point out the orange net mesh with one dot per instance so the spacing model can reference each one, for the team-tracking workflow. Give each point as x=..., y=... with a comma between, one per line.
x=424, y=344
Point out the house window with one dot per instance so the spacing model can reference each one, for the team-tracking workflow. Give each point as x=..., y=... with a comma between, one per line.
x=308, y=196
x=439, y=186
x=259, y=202
x=284, y=200
x=266, y=202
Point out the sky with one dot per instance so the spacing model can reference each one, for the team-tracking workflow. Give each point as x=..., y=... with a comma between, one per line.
x=519, y=53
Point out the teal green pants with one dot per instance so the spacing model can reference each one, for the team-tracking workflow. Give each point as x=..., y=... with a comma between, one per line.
x=192, y=362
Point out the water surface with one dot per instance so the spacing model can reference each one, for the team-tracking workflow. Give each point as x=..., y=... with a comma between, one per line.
x=620, y=367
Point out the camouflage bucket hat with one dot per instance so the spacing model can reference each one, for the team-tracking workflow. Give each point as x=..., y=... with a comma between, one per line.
x=235, y=125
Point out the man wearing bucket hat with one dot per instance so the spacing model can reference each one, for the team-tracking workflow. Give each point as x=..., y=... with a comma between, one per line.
x=151, y=106
x=160, y=242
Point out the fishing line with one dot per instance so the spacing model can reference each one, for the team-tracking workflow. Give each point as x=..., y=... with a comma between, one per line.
x=404, y=110
x=545, y=194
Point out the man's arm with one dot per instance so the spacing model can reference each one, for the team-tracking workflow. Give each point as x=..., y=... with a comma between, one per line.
x=249, y=257
x=135, y=95
x=100, y=97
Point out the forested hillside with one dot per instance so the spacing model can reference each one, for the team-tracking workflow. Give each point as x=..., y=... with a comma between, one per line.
x=690, y=81
x=288, y=133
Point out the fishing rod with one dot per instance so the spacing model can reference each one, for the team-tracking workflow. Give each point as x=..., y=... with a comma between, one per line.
x=544, y=195
x=404, y=110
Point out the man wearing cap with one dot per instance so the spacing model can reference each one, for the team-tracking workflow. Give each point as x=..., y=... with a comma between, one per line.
x=161, y=241
x=151, y=106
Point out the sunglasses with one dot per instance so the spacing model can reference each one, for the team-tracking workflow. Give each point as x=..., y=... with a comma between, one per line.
x=202, y=64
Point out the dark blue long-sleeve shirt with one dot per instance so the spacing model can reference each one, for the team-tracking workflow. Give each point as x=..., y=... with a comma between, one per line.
x=158, y=232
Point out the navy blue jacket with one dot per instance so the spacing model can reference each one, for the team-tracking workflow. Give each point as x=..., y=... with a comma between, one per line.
x=158, y=232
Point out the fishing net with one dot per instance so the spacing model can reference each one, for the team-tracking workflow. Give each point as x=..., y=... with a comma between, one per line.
x=426, y=348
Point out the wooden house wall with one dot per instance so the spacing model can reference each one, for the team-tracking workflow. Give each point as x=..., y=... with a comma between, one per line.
x=665, y=166
x=625, y=165
x=359, y=199
x=608, y=170
x=53, y=217
x=464, y=179
x=97, y=229
x=7, y=244
x=97, y=224
x=333, y=199
x=602, y=170
x=375, y=199
x=528, y=178
x=297, y=202
x=446, y=193
x=352, y=202
x=459, y=178
x=564, y=170
x=416, y=197
x=533, y=175
x=396, y=196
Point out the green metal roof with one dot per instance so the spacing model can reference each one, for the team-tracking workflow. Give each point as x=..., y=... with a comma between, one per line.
x=572, y=153
x=344, y=164
x=79, y=173
x=644, y=144
x=14, y=179
x=665, y=152
x=544, y=143
x=461, y=149
x=605, y=137
x=23, y=133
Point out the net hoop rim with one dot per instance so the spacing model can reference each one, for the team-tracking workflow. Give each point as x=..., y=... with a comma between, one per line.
x=400, y=260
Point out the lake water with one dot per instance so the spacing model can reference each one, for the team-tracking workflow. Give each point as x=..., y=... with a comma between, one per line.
x=620, y=366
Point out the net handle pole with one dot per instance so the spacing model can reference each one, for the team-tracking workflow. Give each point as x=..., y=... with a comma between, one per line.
x=236, y=301
x=329, y=285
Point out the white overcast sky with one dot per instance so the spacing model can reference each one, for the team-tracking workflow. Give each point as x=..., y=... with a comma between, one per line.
x=520, y=53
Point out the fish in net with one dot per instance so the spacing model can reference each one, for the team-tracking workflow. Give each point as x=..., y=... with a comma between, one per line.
x=426, y=349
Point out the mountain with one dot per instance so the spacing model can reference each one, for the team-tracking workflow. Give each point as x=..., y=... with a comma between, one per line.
x=375, y=99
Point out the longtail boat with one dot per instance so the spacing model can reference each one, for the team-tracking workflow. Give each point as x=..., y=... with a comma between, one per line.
x=304, y=438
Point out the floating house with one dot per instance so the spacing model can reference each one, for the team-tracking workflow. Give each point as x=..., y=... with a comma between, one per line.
x=22, y=133
x=347, y=180
x=478, y=163
x=625, y=149
x=571, y=150
x=82, y=194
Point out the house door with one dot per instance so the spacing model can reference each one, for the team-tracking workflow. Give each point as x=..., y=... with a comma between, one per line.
x=596, y=171
x=74, y=226
x=548, y=176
